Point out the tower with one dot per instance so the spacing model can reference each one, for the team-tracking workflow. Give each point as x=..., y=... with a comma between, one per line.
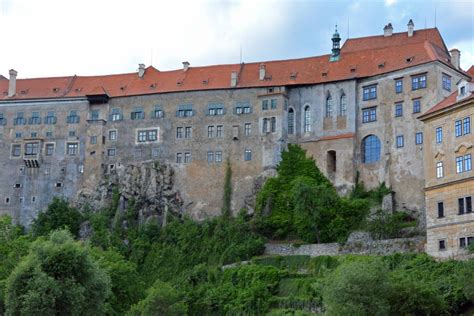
x=336, y=49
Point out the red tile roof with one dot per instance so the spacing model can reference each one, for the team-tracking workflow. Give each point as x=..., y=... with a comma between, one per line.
x=360, y=57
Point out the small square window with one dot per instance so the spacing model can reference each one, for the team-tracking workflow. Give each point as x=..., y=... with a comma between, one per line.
x=442, y=244
x=111, y=152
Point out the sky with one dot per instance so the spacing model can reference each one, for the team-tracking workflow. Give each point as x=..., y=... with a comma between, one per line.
x=45, y=38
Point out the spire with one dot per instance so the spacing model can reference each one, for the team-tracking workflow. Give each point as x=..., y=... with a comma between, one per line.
x=336, y=39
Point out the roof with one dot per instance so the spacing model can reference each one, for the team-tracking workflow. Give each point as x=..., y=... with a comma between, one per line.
x=2, y=77
x=360, y=57
x=471, y=71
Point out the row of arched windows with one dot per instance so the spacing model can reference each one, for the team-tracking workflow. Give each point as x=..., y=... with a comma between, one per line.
x=342, y=105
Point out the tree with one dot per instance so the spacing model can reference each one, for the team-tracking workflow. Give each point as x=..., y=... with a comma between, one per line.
x=58, y=215
x=227, y=198
x=57, y=277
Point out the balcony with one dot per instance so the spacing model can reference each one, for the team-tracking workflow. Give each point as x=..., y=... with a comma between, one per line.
x=32, y=160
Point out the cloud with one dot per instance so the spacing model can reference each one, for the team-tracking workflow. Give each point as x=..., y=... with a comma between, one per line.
x=390, y=3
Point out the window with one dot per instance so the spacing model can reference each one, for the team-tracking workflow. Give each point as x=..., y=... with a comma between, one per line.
x=210, y=156
x=398, y=109
x=116, y=115
x=446, y=82
x=370, y=93
x=72, y=118
x=155, y=152
x=273, y=104
x=439, y=135
x=235, y=132
x=458, y=128
x=113, y=135
x=111, y=152
x=242, y=107
x=265, y=126
x=179, y=132
x=328, y=106
x=179, y=158
x=467, y=125
x=137, y=114
x=137, y=152
x=31, y=149
x=72, y=149
x=158, y=113
x=34, y=134
x=440, y=209
x=400, y=141
x=248, y=155
x=466, y=241
x=19, y=119
x=49, y=134
x=264, y=105
x=35, y=119
x=467, y=162
x=398, y=85
x=72, y=134
x=439, y=169
x=218, y=156
x=93, y=140
x=16, y=150
x=187, y=157
x=418, y=82
x=291, y=121
x=3, y=120
x=442, y=245
x=307, y=119
x=417, y=106
x=273, y=124
x=219, y=131
x=95, y=115
x=369, y=115
x=459, y=164
x=419, y=138
x=49, y=149
x=150, y=135
x=185, y=110
x=370, y=149
x=215, y=109
x=343, y=105
x=187, y=132
x=247, y=129
x=210, y=131
x=50, y=118
x=462, y=91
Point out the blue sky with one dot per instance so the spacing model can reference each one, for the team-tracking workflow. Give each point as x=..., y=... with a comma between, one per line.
x=87, y=37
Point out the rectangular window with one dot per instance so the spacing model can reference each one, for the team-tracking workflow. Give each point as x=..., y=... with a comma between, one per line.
x=467, y=162
x=113, y=135
x=147, y=136
x=215, y=109
x=273, y=104
x=72, y=149
x=179, y=158
x=458, y=128
x=72, y=133
x=468, y=204
x=265, y=105
x=111, y=152
x=370, y=93
x=158, y=113
x=73, y=118
x=179, y=132
x=442, y=245
x=461, y=209
x=210, y=131
x=400, y=141
x=50, y=118
x=34, y=134
x=462, y=242
x=459, y=164
x=399, y=86
x=18, y=135
x=218, y=156
x=446, y=82
x=398, y=109
x=31, y=149
x=440, y=209
x=49, y=134
x=19, y=119
x=3, y=120
x=185, y=110
x=35, y=119
x=417, y=106
x=116, y=115
x=137, y=114
x=219, y=131
x=95, y=115
x=418, y=82
x=93, y=140
x=419, y=138
x=273, y=124
x=369, y=115
x=248, y=155
x=187, y=132
x=16, y=150
x=439, y=169
x=137, y=152
x=248, y=129
x=467, y=125
x=439, y=135
x=49, y=149
x=187, y=157
x=210, y=156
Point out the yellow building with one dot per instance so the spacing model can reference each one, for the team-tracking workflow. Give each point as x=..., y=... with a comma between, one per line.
x=449, y=177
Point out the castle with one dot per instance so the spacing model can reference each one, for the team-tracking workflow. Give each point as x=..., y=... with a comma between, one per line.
x=355, y=111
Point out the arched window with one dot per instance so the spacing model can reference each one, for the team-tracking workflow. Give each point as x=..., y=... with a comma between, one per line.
x=370, y=149
x=343, y=105
x=307, y=119
x=291, y=121
x=329, y=106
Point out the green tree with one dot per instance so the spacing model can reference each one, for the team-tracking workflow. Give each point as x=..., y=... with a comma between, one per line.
x=227, y=198
x=58, y=215
x=57, y=277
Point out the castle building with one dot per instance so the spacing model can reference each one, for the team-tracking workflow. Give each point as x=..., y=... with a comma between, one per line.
x=354, y=110
x=449, y=175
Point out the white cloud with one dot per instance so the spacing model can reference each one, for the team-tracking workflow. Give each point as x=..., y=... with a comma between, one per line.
x=389, y=3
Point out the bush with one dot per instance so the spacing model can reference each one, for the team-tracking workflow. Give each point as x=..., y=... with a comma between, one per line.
x=58, y=215
x=384, y=225
x=58, y=276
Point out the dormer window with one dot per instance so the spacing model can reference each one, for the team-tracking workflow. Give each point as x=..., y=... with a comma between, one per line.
x=214, y=109
x=137, y=114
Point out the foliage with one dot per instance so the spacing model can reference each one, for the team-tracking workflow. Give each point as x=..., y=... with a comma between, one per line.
x=58, y=215
x=227, y=198
x=162, y=299
x=58, y=276
x=384, y=225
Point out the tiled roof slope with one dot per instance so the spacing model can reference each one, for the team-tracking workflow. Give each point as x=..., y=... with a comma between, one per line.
x=361, y=57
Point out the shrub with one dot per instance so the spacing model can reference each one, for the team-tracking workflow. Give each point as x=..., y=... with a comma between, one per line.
x=58, y=215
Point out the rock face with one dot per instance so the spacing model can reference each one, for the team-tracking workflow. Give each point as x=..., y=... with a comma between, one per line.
x=148, y=187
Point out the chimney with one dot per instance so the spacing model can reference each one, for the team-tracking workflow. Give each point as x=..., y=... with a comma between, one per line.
x=388, y=30
x=411, y=26
x=12, y=83
x=141, y=70
x=233, y=79
x=455, y=57
x=262, y=72
x=185, y=65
